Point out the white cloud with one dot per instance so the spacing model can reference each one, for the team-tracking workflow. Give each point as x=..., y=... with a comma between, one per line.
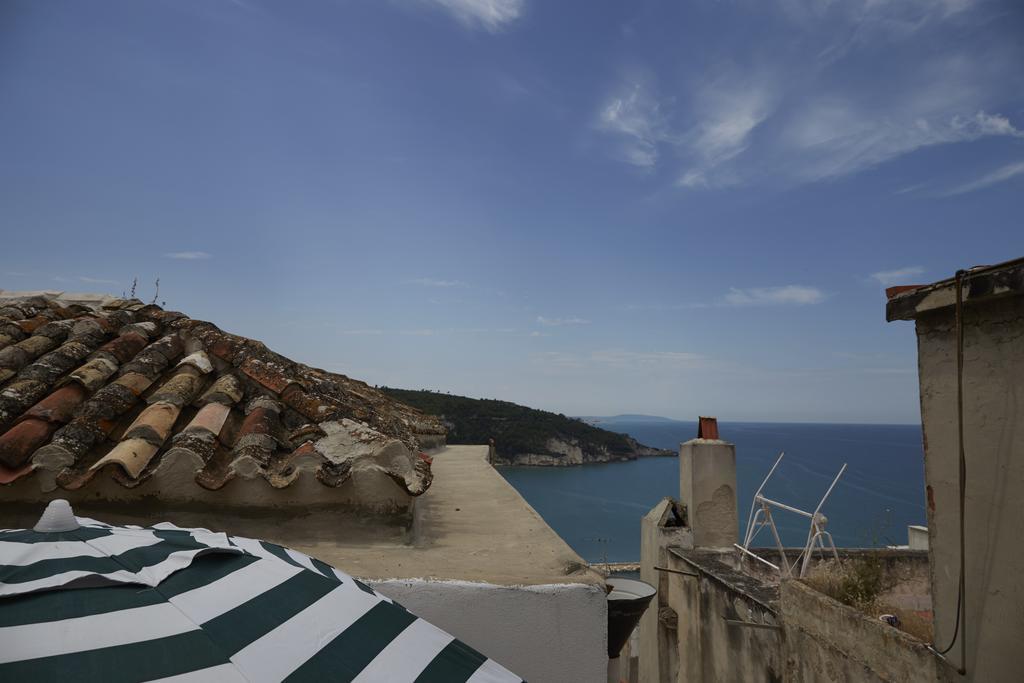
x=491, y=15
x=796, y=107
x=634, y=116
x=911, y=188
x=360, y=333
x=558, y=322
x=830, y=139
x=999, y=175
x=188, y=255
x=433, y=282
x=774, y=296
x=898, y=276
x=97, y=281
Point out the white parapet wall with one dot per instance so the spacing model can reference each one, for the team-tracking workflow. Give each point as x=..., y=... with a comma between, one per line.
x=544, y=633
x=483, y=565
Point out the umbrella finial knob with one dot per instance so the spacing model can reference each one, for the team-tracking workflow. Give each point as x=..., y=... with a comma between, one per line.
x=57, y=516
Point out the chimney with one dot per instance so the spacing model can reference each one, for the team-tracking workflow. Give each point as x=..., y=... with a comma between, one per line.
x=707, y=486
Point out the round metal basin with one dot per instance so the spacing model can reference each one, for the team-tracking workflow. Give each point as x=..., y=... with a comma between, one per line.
x=627, y=602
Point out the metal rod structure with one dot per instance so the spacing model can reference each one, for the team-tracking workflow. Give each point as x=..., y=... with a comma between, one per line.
x=761, y=516
x=753, y=503
x=786, y=569
x=676, y=571
x=754, y=527
x=829, y=492
x=783, y=506
x=756, y=557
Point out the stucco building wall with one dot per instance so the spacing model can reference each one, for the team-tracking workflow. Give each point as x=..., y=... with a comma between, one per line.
x=546, y=634
x=993, y=396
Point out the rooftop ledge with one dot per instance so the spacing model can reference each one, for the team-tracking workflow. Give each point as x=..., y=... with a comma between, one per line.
x=471, y=525
x=907, y=302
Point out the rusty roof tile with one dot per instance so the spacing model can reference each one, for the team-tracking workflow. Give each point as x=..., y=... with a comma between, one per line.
x=210, y=418
x=154, y=423
x=131, y=454
x=19, y=442
x=266, y=374
x=59, y=407
x=56, y=329
x=133, y=382
x=147, y=330
x=89, y=326
x=17, y=396
x=69, y=443
x=9, y=475
x=18, y=356
x=155, y=358
x=9, y=333
x=181, y=389
x=49, y=368
x=199, y=360
x=226, y=389
x=255, y=437
x=305, y=404
x=30, y=325
x=123, y=348
x=94, y=373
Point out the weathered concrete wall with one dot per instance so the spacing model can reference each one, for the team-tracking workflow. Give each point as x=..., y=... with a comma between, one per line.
x=546, y=634
x=993, y=396
x=904, y=572
x=707, y=487
x=709, y=648
x=656, y=648
x=825, y=640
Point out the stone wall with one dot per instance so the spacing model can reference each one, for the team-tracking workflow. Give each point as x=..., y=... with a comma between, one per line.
x=728, y=627
x=825, y=640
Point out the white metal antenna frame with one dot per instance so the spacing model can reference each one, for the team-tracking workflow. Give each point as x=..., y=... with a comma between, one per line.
x=761, y=517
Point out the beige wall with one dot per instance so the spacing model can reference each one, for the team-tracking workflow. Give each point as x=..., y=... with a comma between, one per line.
x=828, y=641
x=711, y=649
x=707, y=487
x=657, y=647
x=994, y=438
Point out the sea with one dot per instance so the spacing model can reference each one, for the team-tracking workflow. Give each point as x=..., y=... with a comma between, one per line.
x=597, y=508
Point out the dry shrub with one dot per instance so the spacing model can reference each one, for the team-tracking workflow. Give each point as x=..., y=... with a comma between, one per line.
x=858, y=583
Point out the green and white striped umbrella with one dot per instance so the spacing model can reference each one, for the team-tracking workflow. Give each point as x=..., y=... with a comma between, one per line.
x=82, y=600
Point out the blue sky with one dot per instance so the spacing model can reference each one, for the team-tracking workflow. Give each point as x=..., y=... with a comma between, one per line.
x=590, y=207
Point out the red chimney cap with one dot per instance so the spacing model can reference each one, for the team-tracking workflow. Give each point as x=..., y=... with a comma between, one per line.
x=707, y=428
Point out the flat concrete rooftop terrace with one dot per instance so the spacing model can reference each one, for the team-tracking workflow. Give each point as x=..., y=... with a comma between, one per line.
x=471, y=525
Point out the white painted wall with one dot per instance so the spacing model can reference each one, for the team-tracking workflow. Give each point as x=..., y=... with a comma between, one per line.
x=554, y=633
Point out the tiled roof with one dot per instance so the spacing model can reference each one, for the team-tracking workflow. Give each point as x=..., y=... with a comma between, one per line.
x=95, y=390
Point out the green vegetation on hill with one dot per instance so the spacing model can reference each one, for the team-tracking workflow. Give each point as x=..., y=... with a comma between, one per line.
x=518, y=430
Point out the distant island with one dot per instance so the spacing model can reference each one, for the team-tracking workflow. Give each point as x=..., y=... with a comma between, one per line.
x=525, y=436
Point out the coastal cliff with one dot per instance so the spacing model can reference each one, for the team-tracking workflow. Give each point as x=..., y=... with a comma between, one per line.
x=524, y=436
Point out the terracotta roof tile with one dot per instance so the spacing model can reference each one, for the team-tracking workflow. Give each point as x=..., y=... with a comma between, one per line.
x=226, y=389
x=124, y=391
x=181, y=389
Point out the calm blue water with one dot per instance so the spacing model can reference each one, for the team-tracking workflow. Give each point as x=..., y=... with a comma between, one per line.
x=597, y=508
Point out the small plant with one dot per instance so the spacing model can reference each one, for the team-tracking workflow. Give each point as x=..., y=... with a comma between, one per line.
x=857, y=583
